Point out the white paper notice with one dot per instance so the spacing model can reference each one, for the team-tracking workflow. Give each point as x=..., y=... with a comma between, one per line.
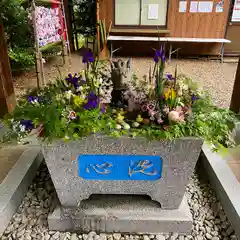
x=193, y=6
x=219, y=8
x=182, y=6
x=205, y=7
x=153, y=11
x=236, y=11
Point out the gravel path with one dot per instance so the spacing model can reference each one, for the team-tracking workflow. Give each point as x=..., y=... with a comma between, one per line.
x=30, y=221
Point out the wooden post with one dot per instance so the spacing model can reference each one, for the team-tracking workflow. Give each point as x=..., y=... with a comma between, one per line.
x=39, y=63
x=97, y=24
x=7, y=96
x=68, y=18
x=235, y=101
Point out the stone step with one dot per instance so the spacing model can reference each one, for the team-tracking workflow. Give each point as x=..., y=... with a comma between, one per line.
x=121, y=213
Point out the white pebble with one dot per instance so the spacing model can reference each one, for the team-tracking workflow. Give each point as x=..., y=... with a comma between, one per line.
x=160, y=237
x=117, y=236
x=208, y=236
x=145, y=237
x=174, y=236
x=74, y=237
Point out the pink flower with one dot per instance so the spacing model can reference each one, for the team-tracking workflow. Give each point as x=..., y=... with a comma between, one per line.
x=72, y=115
x=166, y=109
x=160, y=121
x=151, y=113
x=177, y=117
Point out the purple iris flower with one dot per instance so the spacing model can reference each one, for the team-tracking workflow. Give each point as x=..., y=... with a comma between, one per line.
x=93, y=101
x=163, y=58
x=194, y=97
x=170, y=76
x=87, y=56
x=28, y=124
x=73, y=80
x=159, y=54
x=103, y=108
x=33, y=99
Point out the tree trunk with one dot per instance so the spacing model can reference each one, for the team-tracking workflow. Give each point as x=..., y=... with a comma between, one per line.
x=98, y=28
x=235, y=101
x=7, y=96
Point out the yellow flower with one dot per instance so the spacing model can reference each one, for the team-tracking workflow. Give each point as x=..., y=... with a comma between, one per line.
x=139, y=119
x=78, y=101
x=170, y=94
x=120, y=118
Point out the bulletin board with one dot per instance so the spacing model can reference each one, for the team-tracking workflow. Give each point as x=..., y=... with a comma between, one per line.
x=198, y=18
x=50, y=29
x=236, y=11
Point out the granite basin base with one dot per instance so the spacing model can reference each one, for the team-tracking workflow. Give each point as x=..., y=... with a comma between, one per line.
x=118, y=213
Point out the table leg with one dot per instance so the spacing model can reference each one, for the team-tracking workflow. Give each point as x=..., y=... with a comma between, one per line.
x=111, y=46
x=222, y=52
x=170, y=53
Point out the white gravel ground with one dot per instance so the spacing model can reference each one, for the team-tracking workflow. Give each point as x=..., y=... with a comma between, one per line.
x=30, y=221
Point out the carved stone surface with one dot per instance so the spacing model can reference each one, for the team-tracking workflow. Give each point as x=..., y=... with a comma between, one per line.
x=120, y=75
x=125, y=214
x=178, y=157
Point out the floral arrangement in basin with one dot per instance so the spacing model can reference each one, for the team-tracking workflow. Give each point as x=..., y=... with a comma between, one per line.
x=158, y=106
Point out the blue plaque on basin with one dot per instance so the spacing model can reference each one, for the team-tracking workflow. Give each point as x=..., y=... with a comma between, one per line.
x=119, y=167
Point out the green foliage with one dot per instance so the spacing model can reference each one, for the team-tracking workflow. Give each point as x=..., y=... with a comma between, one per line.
x=18, y=33
x=208, y=122
x=21, y=58
x=73, y=108
x=85, y=16
x=15, y=22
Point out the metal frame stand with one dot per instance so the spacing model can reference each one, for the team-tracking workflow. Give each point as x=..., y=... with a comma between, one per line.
x=113, y=51
x=171, y=52
x=222, y=52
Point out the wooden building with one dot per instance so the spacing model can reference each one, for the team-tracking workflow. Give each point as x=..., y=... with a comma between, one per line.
x=192, y=19
x=233, y=29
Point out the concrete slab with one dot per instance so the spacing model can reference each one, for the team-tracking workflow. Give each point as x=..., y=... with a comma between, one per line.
x=15, y=184
x=224, y=183
x=121, y=213
x=9, y=155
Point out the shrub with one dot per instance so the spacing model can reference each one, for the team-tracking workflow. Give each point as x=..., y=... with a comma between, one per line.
x=18, y=33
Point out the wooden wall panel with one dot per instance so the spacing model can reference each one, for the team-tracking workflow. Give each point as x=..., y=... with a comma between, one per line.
x=197, y=25
x=106, y=11
x=233, y=34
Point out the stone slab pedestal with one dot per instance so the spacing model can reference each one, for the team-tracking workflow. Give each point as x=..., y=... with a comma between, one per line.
x=119, y=213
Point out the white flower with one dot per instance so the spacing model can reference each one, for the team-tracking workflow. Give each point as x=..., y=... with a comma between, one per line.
x=126, y=126
x=118, y=127
x=135, y=124
x=185, y=87
x=100, y=80
x=69, y=94
x=66, y=137
x=43, y=60
x=79, y=89
x=22, y=128
x=101, y=92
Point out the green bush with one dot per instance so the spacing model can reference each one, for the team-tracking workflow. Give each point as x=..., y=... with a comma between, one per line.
x=21, y=58
x=85, y=16
x=18, y=33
